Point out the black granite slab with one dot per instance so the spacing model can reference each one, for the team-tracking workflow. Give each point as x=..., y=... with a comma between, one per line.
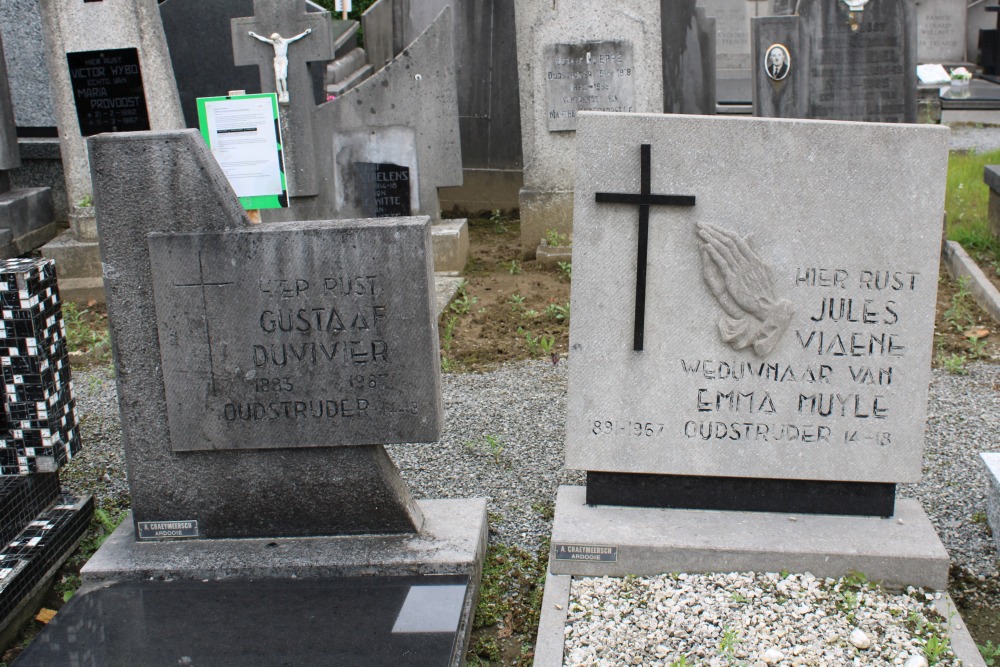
x=411, y=621
x=794, y=496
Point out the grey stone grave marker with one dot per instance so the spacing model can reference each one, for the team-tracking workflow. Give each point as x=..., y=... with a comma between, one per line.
x=588, y=76
x=732, y=46
x=383, y=189
x=852, y=65
x=941, y=30
x=24, y=50
x=260, y=369
x=76, y=33
x=546, y=32
x=772, y=354
x=281, y=20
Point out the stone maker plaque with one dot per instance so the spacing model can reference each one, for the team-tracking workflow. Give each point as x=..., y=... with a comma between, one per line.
x=383, y=189
x=589, y=76
x=304, y=334
x=107, y=89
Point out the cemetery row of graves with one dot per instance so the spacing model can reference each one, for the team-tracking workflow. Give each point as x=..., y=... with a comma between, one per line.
x=499, y=333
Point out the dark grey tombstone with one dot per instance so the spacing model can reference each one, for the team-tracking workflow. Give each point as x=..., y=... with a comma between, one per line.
x=688, y=58
x=788, y=96
x=202, y=54
x=230, y=492
x=858, y=67
x=868, y=74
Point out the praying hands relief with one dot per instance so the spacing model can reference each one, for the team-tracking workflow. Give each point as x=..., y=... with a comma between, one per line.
x=280, y=45
x=743, y=285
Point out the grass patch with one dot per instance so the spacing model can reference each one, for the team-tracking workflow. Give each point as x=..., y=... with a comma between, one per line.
x=967, y=204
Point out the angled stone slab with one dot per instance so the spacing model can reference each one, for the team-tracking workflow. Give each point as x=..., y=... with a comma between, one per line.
x=900, y=551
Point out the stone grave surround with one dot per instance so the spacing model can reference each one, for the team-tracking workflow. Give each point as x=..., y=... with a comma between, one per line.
x=843, y=65
x=134, y=90
x=551, y=41
x=772, y=355
x=260, y=370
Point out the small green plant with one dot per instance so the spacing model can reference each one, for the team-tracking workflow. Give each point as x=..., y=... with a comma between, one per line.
x=534, y=342
x=935, y=648
x=683, y=662
x=566, y=271
x=516, y=302
x=546, y=510
x=990, y=653
x=955, y=364
x=86, y=331
x=514, y=267
x=554, y=238
x=529, y=314
x=977, y=347
x=738, y=598
x=449, y=333
x=499, y=221
x=463, y=302
x=729, y=642
x=493, y=444
x=557, y=312
x=960, y=314
x=87, y=201
x=547, y=343
x=979, y=517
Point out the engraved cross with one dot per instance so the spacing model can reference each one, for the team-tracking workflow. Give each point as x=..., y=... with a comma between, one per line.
x=202, y=283
x=643, y=200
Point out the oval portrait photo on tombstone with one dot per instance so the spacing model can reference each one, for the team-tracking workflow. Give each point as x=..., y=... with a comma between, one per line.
x=777, y=62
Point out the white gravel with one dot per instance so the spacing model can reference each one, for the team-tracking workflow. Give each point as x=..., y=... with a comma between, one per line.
x=745, y=619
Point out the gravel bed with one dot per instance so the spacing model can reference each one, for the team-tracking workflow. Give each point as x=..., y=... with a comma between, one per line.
x=521, y=408
x=740, y=619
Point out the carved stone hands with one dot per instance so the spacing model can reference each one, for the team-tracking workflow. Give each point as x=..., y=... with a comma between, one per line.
x=743, y=285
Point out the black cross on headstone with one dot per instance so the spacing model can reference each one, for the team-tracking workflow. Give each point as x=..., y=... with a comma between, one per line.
x=289, y=19
x=202, y=283
x=643, y=200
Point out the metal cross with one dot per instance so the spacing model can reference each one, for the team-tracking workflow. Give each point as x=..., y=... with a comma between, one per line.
x=643, y=200
x=202, y=283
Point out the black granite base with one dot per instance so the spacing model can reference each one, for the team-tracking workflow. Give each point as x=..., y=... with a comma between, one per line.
x=792, y=496
x=349, y=621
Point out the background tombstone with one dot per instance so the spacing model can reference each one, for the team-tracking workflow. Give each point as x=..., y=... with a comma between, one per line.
x=941, y=27
x=732, y=48
x=721, y=407
x=548, y=86
x=235, y=427
x=128, y=78
x=689, y=59
x=26, y=214
x=787, y=97
x=197, y=33
x=865, y=72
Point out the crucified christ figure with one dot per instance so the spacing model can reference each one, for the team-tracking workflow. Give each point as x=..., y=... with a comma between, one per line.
x=280, y=45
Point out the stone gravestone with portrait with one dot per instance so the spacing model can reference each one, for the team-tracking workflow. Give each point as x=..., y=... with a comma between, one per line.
x=110, y=72
x=260, y=370
x=771, y=351
x=845, y=62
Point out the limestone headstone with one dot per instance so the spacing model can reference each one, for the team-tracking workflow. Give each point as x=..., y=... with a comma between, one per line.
x=941, y=28
x=856, y=65
x=732, y=45
x=117, y=50
x=744, y=338
x=629, y=39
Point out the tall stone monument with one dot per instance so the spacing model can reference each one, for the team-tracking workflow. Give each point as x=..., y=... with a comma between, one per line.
x=260, y=370
x=110, y=72
x=575, y=56
x=842, y=62
x=765, y=352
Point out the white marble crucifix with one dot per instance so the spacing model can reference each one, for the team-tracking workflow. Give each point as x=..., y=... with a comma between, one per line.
x=284, y=71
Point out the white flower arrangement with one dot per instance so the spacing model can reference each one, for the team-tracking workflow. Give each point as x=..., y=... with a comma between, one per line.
x=960, y=74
